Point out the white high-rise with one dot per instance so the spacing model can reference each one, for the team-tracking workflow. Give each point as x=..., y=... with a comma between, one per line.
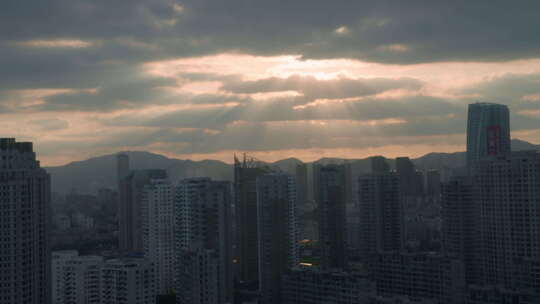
x=75, y=279
x=24, y=225
x=158, y=231
x=128, y=281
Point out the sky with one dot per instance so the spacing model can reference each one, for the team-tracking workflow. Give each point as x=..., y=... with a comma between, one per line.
x=203, y=79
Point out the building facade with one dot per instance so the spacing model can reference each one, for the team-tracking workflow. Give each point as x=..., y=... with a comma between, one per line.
x=246, y=254
x=381, y=214
x=460, y=214
x=128, y=281
x=278, y=235
x=488, y=132
x=203, y=233
x=24, y=225
x=330, y=196
x=316, y=286
x=130, y=235
x=509, y=212
x=420, y=277
x=158, y=231
x=75, y=279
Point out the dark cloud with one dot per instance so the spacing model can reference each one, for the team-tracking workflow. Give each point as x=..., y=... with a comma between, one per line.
x=382, y=31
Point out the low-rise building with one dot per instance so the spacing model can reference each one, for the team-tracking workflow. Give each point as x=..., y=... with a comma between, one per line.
x=75, y=279
x=314, y=286
x=128, y=281
x=420, y=277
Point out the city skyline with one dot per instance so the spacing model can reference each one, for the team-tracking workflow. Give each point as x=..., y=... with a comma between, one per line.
x=200, y=80
x=382, y=235
x=269, y=152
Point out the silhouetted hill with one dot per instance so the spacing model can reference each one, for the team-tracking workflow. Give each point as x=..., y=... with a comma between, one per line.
x=89, y=175
x=520, y=145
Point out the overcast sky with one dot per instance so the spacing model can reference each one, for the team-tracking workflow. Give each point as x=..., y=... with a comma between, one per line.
x=203, y=79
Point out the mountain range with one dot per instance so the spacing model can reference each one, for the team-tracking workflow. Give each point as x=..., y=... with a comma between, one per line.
x=89, y=175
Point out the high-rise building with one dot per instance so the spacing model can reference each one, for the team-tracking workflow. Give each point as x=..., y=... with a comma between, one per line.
x=278, y=247
x=381, y=212
x=379, y=164
x=128, y=280
x=488, y=132
x=508, y=199
x=433, y=183
x=499, y=295
x=302, y=186
x=122, y=167
x=198, y=276
x=203, y=241
x=130, y=234
x=330, y=196
x=411, y=181
x=459, y=215
x=158, y=231
x=24, y=225
x=246, y=231
x=75, y=279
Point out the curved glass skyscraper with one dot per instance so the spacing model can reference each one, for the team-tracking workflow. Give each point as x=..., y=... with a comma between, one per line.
x=488, y=132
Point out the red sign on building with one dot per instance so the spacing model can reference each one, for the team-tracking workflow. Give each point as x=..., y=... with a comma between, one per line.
x=493, y=140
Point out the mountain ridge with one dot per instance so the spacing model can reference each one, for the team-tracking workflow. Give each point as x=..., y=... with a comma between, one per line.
x=87, y=176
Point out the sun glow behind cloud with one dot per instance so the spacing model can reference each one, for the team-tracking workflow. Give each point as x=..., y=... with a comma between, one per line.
x=56, y=43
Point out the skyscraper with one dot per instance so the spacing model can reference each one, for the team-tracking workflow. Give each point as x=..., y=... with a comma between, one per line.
x=381, y=212
x=330, y=196
x=129, y=208
x=411, y=182
x=459, y=215
x=203, y=241
x=245, y=200
x=278, y=248
x=488, y=132
x=433, y=183
x=158, y=231
x=379, y=164
x=301, y=186
x=509, y=212
x=24, y=225
x=122, y=166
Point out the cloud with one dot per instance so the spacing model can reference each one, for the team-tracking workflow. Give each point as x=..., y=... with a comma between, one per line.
x=383, y=31
x=120, y=94
x=509, y=89
x=217, y=117
x=55, y=43
x=52, y=124
x=201, y=76
x=313, y=88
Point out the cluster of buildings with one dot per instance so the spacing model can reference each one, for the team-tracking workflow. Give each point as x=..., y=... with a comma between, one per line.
x=202, y=241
